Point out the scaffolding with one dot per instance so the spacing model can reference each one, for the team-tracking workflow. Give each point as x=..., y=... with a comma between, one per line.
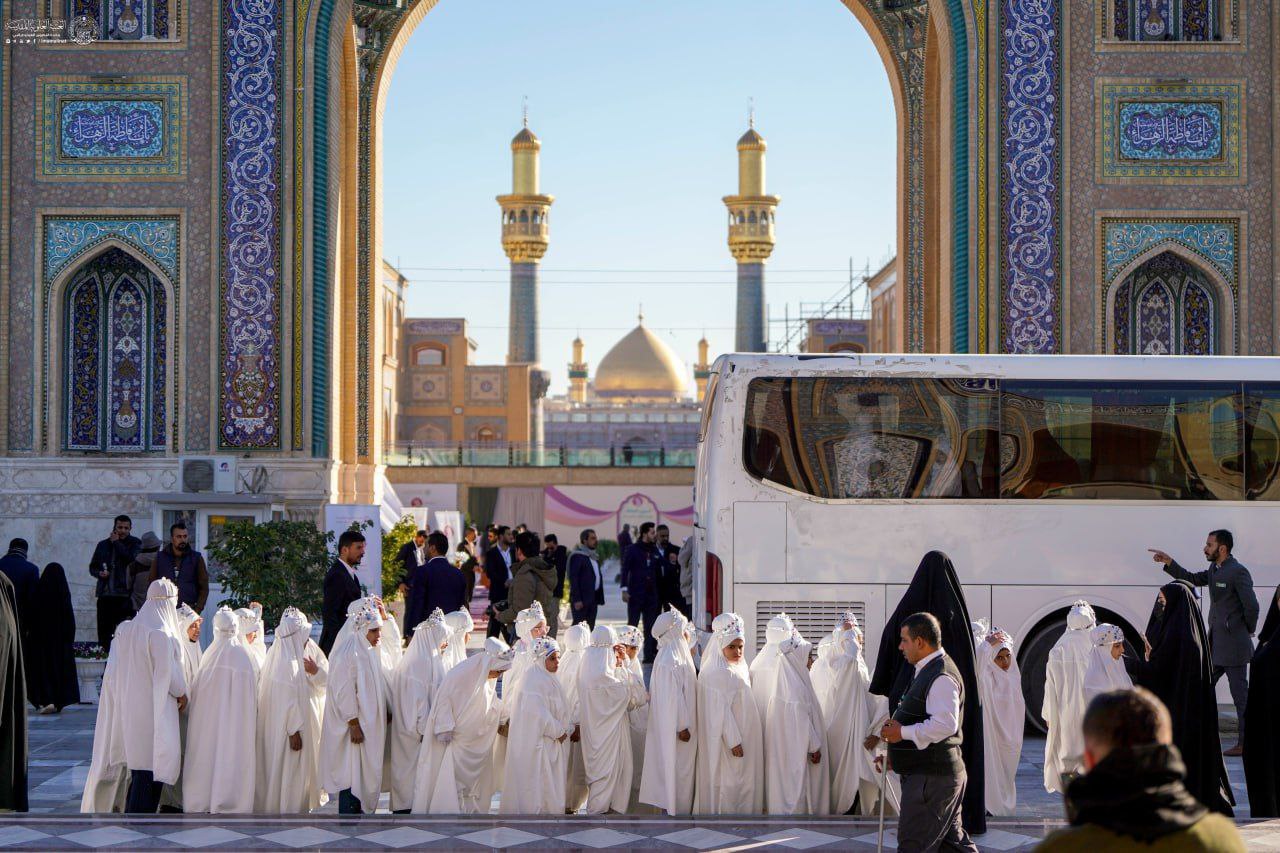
x=851, y=302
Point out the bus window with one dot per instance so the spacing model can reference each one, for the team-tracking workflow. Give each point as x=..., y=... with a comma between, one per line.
x=1140, y=441
x=849, y=437
x=1262, y=442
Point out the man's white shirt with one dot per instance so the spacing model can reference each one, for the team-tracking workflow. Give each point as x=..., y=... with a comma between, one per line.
x=942, y=704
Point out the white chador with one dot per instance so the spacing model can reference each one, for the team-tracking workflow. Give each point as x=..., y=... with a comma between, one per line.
x=719, y=624
x=389, y=650
x=764, y=666
x=219, y=770
x=538, y=741
x=191, y=651
x=251, y=633
x=106, y=784
x=606, y=691
x=357, y=691
x=794, y=732
x=455, y=766
x=728, y=720
x=1063, y=708
x=671, y=743
x=460, y=625
x=413, y=689
x=290, y=702
x=840, y=679
x=1003, y=717
x=531, y=624
x=638, y=717
x=1106, y=671
x=150, y=683
x=576, y=640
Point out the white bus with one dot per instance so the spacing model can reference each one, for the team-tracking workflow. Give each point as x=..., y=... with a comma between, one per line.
x=822, y=480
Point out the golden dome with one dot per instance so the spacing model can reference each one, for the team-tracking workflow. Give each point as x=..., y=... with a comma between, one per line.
x=640, y=366
x=751, y=141
x=525, y=139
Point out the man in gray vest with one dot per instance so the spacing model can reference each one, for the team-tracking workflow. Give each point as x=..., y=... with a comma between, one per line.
x=1233, y=616
x=924, y=740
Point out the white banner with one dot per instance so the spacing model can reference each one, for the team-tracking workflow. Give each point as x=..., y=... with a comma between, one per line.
x=339, y=518
x=450, y=524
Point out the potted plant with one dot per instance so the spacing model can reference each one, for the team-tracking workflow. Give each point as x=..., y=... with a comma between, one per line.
x=91, y=662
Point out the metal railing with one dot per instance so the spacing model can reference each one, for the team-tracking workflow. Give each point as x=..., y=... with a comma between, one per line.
x=492, y=454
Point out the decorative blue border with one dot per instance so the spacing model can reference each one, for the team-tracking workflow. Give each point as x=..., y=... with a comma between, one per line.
x=67, y=238
x=1215, y=241
x=960, y=179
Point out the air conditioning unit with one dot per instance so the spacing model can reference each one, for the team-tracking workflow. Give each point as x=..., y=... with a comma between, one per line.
x=202, y=474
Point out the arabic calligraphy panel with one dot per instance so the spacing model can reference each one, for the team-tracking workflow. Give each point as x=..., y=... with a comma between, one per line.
x=1170, y=130
x=1169, y=133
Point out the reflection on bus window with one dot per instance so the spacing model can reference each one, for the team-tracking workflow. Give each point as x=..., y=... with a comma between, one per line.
x=1262, y=437
x=1149, y=441
x=875, y=438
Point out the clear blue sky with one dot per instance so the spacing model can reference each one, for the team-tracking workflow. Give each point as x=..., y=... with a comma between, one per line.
x=638, y=106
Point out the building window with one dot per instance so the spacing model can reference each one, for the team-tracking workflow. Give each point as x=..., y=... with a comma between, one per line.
x=486, y=434
x=846, y=346
x=428, y=355
x=114, y=357
x=1168, y=20
x=1165, y=307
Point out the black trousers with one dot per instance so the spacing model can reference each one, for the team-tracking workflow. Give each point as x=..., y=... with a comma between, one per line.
x=930, y=817
x=112, y=610
x=648, y=615
x=1238, y=681
x=348, y=803
x=586, y=614
x=144, y=793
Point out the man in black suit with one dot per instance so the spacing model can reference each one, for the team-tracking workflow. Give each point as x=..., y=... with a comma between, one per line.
x=557, y=557
x=435, y=584
x=497, y=568
x=411, y=555
x=669, y=575
x=341, y=587
x=586, y=580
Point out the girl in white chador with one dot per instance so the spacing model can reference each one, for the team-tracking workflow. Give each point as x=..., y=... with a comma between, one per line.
x=670, y=756
x=1003, y=716
x=219, y=771
x=576, y=639
x=719, y=624
x=460, y=625
x=250, y=626
x=632, y=639
x=354, y=730
x=537, y=754
x=730, y=776
x=413, y=689
x=840, y=679
x=764, y=666
x=291, y=692
x=797, y=780
x=106, y=783
x=606, y=691
x=1106, y=669
x=455, y=766
x=189, y=623
x=1063, y=708
x=531, y=625
x=389, y=649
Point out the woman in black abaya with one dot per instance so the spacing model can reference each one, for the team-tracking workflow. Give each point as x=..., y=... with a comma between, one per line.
x=935, y=589
x=1261, y=741
x=53, y=683
x=1177, y=670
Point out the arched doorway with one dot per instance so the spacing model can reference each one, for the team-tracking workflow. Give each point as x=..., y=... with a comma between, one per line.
x=1167, y=306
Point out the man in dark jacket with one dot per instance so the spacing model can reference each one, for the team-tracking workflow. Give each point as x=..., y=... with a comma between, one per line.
x=640, y=572
x=435, y=584
x=531, y=580
x=1131, y=796
x=497, y=568
x=556, y=556
x=411, y=555
x=24, y=575
x=586, y=580
x=1233, y=616
x=669, y=572
x=183, y=565
x=109, y=565
x=469, y=549
x=341, y=587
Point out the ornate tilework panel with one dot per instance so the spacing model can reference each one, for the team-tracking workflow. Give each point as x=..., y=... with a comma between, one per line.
x=159, y=372
x=124, y=20
x=110, y=129
x=1197, y=319
x=1030, y=180
x=90, y=130
x=1167, y=20
x=127, y=366
x=1212, y=239
x=486, y=386
x=66, y=239
x=84, y=323
x=1155, y=320
x=1122, y=315
x=429, y=386
x=1155, y=133
x=1175, y=308
x=249, y=380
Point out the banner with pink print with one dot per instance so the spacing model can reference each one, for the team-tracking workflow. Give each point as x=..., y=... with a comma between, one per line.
x=571, y=509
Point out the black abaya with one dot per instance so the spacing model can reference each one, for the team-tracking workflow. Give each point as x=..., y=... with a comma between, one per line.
x=936, y=590
x=1180, y=674
x=13, y=706
x=54, y=680
x=1261, y=742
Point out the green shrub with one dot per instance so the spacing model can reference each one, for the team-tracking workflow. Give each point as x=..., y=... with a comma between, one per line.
x=392, y=541
x=606, y=548
x=277, y=563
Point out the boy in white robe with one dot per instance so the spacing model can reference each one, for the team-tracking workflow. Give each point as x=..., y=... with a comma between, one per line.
x=455, y=765
x=576, y=639
x=107, y=780
x=413, y=689
x=606, y=691
x=152, y=692
x=632, y=638
x=538, y=740
x=1106, y=670
x=291, y=692
x=460, y=625
x=251, y=633
x=1064, y=704
x=354, y=730
x=841, y=681
x=671, y=746
x=219, y=772
x=764, y=666
x=1003, y=717
x=730, y=760
x=797, y=780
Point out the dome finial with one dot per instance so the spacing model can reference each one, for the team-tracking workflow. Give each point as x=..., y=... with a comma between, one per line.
x=525, y=111
x=640, y=314
x=751, y=112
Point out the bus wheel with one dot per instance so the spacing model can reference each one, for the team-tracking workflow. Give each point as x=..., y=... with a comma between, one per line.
x=1033, y=662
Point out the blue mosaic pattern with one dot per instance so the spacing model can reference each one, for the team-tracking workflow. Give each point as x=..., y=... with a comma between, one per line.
x=1155, y=320
x=1176, y=310
x=1215, y=241
x=249, y=387
x=84, y=324
x=1197, y=319
x=123, y=128
x=126, y=387
x=1170, y=130
x=1030, y=109
x=66, y=239
x=159, y=412
x=1122, y=313
x=1167, y=20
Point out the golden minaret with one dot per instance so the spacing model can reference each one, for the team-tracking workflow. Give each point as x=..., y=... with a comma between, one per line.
x=701, y=369
x=751, y=220
x=578, y=374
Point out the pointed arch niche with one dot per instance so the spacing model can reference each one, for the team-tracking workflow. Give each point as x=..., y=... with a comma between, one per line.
x=1168, y=302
